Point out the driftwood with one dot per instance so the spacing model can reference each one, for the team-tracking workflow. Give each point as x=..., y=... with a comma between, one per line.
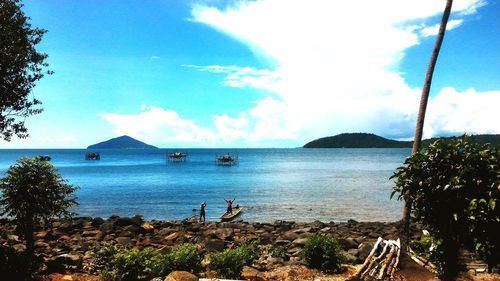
x=382, y=261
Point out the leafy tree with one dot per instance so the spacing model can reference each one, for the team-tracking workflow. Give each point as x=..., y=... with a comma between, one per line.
x=454, y=186
x=33, y=191
x=21, y=65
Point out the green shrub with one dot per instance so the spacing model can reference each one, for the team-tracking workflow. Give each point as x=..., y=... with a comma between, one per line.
x=104, y=254
x=185, y=257
x=453, y=188
x=129, y=265
x=323, y=252
x=116, y=263
x=229, y=263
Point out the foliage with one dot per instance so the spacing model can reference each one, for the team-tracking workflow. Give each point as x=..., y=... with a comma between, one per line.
x=117, y=263
x=323, y=252
x=229, y=263
x=430, y=248
x=454, y=188
x=103, y=255
x=33, y=191
x=21, y=65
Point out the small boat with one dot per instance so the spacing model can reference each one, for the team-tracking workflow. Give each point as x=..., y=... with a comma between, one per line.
x=177, y=157
x=229, y=216
x=93, y=156
x=226, y=160
x=45, y=157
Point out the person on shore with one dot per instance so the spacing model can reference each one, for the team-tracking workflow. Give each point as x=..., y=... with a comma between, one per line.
x=229, y=205
x=202, y=211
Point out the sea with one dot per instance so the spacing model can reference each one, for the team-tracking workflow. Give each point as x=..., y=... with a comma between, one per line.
x=293, y=184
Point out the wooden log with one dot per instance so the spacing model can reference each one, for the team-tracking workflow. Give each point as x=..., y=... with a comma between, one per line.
x=387, y=261
x=396, y=262
x=357, y=275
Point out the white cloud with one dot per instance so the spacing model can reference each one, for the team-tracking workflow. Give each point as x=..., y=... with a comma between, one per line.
x=154, y=58
x=433, y=30
x=469, y=112
x=336, y=63
x=336, y=70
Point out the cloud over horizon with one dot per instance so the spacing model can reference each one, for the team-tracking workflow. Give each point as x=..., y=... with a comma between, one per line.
x=333, y=73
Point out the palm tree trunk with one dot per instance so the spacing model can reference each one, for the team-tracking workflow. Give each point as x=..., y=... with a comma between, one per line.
x=423, y=102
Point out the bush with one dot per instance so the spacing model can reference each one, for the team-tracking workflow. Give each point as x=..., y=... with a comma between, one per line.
x=229, y=263
x=31, y=192
x=453, y=187
x=323, y=252
x=116, y=263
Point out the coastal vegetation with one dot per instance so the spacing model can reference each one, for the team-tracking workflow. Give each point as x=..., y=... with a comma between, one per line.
x=119, y=263
x=365, y=140
x=323, y=252
x=230, y=262
x=453, y=186
x=21, y=66
x=33, y=192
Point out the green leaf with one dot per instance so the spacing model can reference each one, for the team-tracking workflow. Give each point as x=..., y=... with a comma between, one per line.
x=492, y=204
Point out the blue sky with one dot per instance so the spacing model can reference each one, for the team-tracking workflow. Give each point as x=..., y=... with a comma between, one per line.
x=269, y=73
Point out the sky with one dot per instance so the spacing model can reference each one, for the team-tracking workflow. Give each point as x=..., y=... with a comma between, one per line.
x=268, y=73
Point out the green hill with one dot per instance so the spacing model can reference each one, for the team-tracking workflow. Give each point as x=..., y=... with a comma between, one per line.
x=123, y=142
x=364, y=140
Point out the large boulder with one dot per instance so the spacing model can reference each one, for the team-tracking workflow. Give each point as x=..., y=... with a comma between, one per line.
x=181, y=276
x=214, y=245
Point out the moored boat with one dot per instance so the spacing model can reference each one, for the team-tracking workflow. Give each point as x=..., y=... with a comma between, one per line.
x=92, y=156
x=229, y=216
x=226, y=160
x=177, y=157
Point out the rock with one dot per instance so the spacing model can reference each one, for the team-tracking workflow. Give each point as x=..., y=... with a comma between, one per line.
x=125, y=241
x=250, y=273
x=352, y=222
x=13, y=237
x=348, y=243
x=137, y=220
x=90, y=233
x=19, y=247
x=69, y=259
x=106, y=227
x=181, y=276
x=41, y=244
x=124, y=221
x=148, y=227
x=300, y=241
x=290, y=236
x=364, y=250
x=214, y=245
x=97, y=221
x=171, y=237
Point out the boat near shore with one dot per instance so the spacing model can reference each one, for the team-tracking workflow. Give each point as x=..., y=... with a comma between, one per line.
x=230, y=216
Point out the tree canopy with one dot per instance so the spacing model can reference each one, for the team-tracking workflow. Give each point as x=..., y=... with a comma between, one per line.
x=33, y=191
x=21, y=66
x=454, y=186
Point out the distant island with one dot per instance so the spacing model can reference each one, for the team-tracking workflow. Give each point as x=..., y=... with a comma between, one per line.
x=365, y=140
x=123, y=142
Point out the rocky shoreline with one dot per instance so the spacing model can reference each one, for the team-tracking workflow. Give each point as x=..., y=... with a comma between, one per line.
x=69, y=242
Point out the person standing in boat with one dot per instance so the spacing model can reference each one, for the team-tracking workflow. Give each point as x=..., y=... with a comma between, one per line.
x=202, y=211
x=229, y=205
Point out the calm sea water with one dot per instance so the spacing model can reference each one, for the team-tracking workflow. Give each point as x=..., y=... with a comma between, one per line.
x=271, y=184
